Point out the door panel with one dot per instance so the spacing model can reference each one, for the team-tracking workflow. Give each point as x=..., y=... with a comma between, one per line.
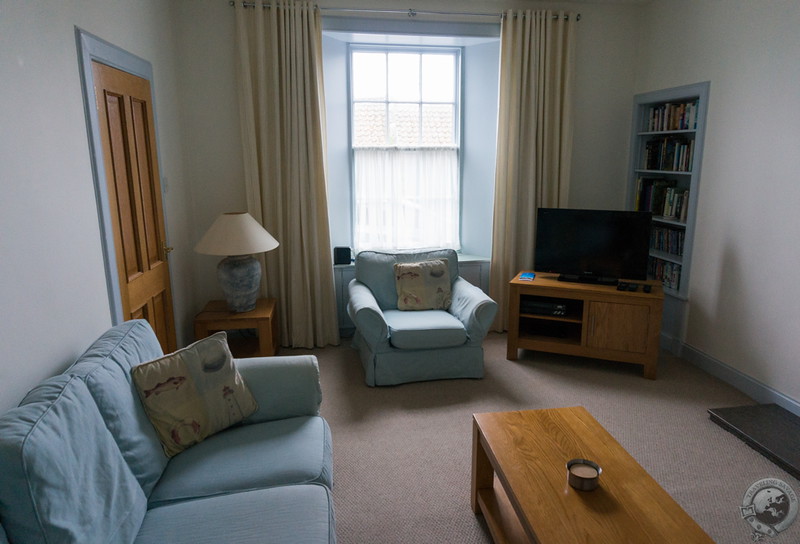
x=131, y=167
x=151, y=235
x=120, y=185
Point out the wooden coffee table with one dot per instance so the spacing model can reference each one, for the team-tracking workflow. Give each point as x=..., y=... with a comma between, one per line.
x=519, y=483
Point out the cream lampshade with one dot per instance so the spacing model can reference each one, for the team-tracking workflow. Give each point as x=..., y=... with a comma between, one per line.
x=238, y=236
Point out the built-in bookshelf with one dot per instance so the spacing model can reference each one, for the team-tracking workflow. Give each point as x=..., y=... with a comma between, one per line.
x=666, y=154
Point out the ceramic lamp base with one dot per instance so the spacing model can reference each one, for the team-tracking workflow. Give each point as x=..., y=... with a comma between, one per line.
x=240, y=279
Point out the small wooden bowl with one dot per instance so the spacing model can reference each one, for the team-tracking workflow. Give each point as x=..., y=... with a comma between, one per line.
x=583, y=475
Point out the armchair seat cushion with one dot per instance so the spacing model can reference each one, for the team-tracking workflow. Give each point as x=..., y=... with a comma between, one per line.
x=424, y=329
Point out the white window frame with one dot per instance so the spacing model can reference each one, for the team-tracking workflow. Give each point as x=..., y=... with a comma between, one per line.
x=390, y=241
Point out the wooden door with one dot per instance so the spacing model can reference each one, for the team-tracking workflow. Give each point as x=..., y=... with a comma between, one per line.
x=620, y=327
x=127, y=130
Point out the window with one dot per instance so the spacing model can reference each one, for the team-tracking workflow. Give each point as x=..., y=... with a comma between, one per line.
x=405, y=134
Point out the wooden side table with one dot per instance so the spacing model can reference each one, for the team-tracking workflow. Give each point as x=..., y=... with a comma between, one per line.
x=216, y=317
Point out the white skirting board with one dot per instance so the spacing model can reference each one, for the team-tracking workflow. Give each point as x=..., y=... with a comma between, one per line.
x=751, y=387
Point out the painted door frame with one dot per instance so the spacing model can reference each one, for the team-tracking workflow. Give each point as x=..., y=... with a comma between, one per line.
x=91, y=48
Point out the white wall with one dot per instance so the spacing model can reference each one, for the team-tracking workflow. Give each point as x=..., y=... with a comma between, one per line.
x=340, y=202
x=605, y=64
x=744, y=293
x=52, y=283
x=213, y=163
x=481, y=72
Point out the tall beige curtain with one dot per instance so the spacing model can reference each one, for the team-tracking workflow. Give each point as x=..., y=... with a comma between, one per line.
x=534, y=138
x=281, y=104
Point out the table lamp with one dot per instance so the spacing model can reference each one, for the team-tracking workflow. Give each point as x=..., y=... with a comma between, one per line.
x=238, y=236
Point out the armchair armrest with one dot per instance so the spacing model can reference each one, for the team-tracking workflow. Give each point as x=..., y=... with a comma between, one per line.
x=282, y=386
x=473, y=308
x=368, y=317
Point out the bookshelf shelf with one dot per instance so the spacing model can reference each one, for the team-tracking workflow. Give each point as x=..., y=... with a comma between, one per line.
x=664, y=176
x=665, y=172
x=666, y=132
x=664, y=256
x=669, y=221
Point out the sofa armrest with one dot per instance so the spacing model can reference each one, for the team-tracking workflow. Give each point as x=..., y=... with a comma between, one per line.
x=473, y=308
x=363, y=309
x=282, y=386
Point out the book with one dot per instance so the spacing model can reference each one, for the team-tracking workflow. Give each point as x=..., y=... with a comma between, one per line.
x=527, y=276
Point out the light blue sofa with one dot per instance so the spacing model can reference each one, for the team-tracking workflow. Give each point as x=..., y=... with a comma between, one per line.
x=81, y=462
x=408, y=346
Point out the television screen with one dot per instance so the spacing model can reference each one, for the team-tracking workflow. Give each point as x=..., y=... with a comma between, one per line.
x=592, y=245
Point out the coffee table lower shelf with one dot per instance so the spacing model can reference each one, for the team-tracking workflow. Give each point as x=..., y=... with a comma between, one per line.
x=503, y=522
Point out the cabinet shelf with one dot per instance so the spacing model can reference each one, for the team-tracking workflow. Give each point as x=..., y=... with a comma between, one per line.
x=540, y=342
x=552, y=318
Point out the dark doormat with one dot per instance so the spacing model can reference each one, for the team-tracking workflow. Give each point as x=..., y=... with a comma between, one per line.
x=767, y=428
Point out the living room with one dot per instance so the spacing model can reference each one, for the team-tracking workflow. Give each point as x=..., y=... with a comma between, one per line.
x=740, y=330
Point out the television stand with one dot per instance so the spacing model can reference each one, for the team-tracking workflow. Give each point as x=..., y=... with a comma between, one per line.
x=592, y=320
x=587, y=278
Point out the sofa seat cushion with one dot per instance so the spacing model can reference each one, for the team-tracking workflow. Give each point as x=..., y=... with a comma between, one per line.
x=62, y=476
x=259, y=455
x=301, y=514
x=425, y=329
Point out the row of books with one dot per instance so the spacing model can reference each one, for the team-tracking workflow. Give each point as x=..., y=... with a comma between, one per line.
x=662, y=197
x=668, y=116
x=668, y=273
x=667, y=240
x=671, y=153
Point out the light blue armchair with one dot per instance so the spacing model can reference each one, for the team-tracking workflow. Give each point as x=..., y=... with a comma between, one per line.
x=407, y=346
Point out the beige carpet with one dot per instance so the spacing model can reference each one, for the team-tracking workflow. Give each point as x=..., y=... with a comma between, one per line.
x=402, y=454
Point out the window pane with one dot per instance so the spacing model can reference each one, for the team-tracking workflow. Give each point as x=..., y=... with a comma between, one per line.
x=404, y=77
x=369, y=124
x=438, y=78
x=438, y=125
x=369, y=76
x=404, y=124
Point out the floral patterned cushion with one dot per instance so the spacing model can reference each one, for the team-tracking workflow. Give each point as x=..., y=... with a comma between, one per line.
x=193, y=393
x=423, y=286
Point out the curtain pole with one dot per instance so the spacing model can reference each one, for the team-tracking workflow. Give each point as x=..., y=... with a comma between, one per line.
x=410, y=12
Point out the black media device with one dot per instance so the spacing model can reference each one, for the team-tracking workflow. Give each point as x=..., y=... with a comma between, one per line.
x=592, y=246
x=341, y=255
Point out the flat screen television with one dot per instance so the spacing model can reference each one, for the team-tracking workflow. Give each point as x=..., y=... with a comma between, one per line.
x=592, y=246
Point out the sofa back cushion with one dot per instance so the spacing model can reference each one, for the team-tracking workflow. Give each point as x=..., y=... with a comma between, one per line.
x=375, y=269
x=63, y=476
x=106, y=369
